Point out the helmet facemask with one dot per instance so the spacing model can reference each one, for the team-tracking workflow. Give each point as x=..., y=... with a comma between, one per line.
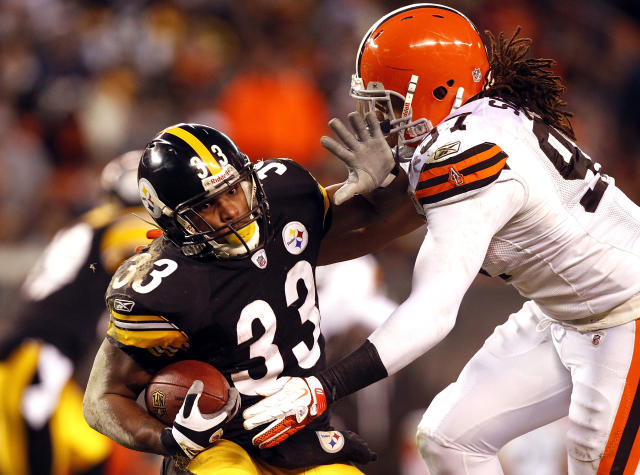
x=386, y=103
x=236, y=239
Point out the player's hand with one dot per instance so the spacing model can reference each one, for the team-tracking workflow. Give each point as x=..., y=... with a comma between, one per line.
x=366, y=153
x=192, y=431
x=300, y=401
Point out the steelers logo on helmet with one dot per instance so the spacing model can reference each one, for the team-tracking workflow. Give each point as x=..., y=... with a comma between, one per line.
x=150, y=198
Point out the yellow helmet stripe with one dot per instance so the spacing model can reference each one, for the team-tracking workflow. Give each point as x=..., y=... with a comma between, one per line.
x=201, y=150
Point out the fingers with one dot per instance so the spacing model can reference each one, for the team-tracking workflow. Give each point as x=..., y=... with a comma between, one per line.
x=343, y=133
x=359, y=126
x=196, y=387
x=337, y=149
x=276, y=433
x=256, y=415
x=272, y=387
x=191, y=400
x=373, y=125
x=233, y=403
x=350, y=189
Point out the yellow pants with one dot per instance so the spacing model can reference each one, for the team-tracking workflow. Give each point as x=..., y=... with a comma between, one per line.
x=227, y=458
x=75, y=447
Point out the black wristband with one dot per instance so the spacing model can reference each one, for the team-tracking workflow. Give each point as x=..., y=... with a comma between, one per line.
x=169, y=442
x=353, y=372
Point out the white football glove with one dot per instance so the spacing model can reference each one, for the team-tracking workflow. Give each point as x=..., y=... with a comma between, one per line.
x=300, y=401
x=192, y=431
x=367, y=155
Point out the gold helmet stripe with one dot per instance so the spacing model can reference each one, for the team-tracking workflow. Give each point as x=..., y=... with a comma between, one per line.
x=201, y=150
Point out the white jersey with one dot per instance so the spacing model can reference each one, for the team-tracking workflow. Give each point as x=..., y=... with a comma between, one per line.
x=513, y=197
x=573, y=244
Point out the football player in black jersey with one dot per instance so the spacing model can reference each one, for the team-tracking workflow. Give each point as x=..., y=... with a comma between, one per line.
x=230, y=282
x=42, y=430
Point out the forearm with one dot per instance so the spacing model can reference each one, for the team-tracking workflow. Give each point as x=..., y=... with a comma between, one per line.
x=355, y=371
x=405, y=336
x=125, y=422
x=110, y=402
x=365, y=224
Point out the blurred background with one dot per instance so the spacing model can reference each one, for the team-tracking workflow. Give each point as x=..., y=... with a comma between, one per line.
x=82, y=82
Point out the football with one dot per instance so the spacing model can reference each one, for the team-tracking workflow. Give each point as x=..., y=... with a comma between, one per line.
x=167, y=389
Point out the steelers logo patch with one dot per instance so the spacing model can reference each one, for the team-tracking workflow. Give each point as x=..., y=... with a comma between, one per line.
x=295, y=237
x=331, y=441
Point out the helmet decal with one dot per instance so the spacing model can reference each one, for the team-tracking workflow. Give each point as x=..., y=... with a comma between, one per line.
x=207, y=158
x=150, y=198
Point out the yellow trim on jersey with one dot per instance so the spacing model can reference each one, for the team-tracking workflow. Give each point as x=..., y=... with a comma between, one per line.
x=201, y=150
x=151, y=332
x=326, y=201
x=228, y=458
x=325, y=198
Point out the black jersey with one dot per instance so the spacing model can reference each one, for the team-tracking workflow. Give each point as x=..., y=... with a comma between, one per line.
x=63, y=295
x=255, y=319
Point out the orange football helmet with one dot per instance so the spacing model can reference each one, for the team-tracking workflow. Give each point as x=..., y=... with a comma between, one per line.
x=426, y=60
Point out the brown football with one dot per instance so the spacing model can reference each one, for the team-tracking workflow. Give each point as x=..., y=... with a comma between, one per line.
x=167, y=389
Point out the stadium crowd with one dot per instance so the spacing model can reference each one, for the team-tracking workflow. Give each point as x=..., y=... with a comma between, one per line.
x=84, y=81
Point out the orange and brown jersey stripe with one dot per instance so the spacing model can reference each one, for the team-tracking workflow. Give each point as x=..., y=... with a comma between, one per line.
x=622, y=452
x=469, y=170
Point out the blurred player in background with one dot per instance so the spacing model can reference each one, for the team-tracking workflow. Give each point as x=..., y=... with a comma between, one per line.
x=231, y=282
x=42, y=430
x=353, y=303
x=506, y=192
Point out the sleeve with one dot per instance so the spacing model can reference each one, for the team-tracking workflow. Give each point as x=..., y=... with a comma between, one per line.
x=149, y=338
x=327, y=210
x=439, y=182
x=449, y=259
x=322, y=198
x=299, y=185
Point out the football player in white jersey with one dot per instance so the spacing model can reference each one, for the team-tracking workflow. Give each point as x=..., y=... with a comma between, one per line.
x=505, y=191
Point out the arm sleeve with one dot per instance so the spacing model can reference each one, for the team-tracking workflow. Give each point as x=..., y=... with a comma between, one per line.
x=450, y=257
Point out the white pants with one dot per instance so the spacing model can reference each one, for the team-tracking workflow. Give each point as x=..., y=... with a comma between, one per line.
x=527, y=375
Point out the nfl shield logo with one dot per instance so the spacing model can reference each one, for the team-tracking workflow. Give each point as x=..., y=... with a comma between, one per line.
x=159, y=403
x=260, y=259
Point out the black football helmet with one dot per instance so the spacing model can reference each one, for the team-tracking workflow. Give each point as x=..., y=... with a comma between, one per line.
x=185, y=167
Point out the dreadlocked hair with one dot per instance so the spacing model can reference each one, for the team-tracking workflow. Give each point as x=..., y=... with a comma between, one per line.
x=528, y=84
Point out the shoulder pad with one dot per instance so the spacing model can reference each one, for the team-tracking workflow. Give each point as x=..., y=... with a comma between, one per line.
x=449, y=173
